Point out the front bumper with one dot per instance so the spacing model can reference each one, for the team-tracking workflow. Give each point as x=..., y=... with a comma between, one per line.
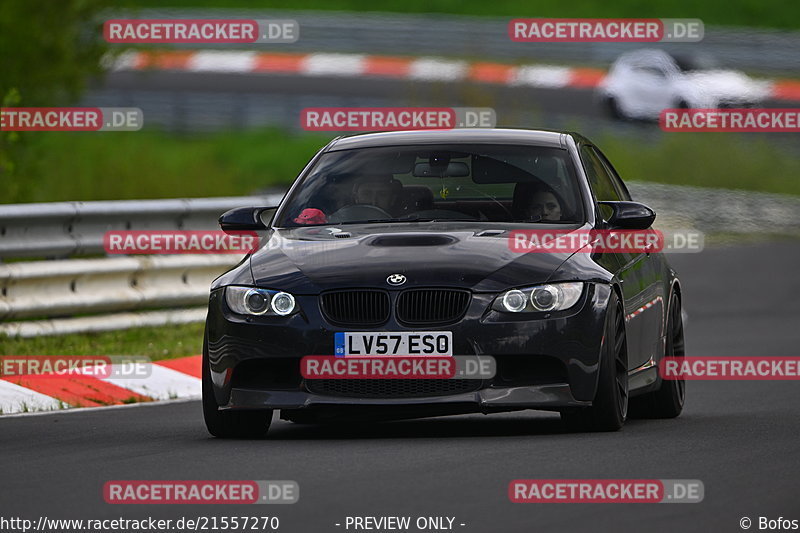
x=545, y=361
x=485, y=400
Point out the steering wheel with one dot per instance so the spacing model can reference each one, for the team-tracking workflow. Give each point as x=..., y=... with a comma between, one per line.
x=495, y=200
x=356, y=212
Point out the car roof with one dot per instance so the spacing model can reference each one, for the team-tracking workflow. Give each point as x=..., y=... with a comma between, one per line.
x=546, y=138
x=651, y=54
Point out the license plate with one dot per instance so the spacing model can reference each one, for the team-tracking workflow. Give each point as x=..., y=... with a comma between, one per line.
x=414, y=343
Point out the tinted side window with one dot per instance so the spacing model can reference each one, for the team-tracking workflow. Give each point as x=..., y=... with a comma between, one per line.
x=651, y=71
x=600, y=181
x=618, y=183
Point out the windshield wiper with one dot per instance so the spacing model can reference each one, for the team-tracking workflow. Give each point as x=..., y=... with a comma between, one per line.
x=417, y=219
x=440, y=220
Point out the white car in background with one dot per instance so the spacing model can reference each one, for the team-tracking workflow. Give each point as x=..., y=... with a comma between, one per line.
x=642, y=83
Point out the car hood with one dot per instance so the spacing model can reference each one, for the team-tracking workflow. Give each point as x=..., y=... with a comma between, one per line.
x=466, y=255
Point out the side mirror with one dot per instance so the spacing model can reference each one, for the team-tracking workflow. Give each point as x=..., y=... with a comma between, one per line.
x=629, y=215
x=246, y=219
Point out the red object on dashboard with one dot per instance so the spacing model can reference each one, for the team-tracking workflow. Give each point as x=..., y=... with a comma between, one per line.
x=311, y=216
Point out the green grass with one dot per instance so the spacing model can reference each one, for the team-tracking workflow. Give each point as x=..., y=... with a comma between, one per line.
x=765, y=13
x=164, y=342
x=718, y=160
x=60, y=166
x=151, y=164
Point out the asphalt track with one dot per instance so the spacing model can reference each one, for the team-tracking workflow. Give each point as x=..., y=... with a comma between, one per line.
x=515, y=105
x=400, y=92
x=739, y=438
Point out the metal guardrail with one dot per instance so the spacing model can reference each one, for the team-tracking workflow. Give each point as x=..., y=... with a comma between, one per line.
x=55, y=291
x=719, y=210
x=63, y=229
x=486, y=37
x=109, y=322
x=77, y=286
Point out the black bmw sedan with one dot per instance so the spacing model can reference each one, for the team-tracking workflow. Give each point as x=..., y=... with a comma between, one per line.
x=404, y=244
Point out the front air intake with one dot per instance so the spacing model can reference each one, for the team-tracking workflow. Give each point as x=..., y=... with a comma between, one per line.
x=356, y=307
x=431, y=306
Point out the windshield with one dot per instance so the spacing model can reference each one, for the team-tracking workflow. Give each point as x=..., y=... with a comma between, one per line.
x=491, y=183
x=692, y=62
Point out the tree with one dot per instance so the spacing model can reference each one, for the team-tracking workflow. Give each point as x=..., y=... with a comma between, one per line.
x=49, y=49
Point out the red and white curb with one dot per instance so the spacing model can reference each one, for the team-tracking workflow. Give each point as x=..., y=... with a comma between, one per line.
x=169, y=379
x=392, y=67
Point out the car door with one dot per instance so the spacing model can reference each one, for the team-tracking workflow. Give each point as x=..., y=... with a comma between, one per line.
x=653, y=300
x=632, y=267
x=651, y=87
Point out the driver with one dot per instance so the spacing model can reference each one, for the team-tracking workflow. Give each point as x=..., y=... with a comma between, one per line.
x=379, y=191
x=546, y=205
x=536, y=200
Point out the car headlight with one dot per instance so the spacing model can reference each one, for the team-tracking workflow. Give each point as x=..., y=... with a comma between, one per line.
x=541, y=298
x=283, y=303
x=255, y=301
x=514, y=301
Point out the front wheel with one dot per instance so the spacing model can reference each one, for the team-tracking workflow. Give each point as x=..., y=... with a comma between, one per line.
x=668, y=400
x=610, y=405
x=230, y=424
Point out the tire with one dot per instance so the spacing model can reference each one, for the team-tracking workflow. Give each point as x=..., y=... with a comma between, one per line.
x=230, y=424
x=610, y=405
x=612, y=108
x=668, y=400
